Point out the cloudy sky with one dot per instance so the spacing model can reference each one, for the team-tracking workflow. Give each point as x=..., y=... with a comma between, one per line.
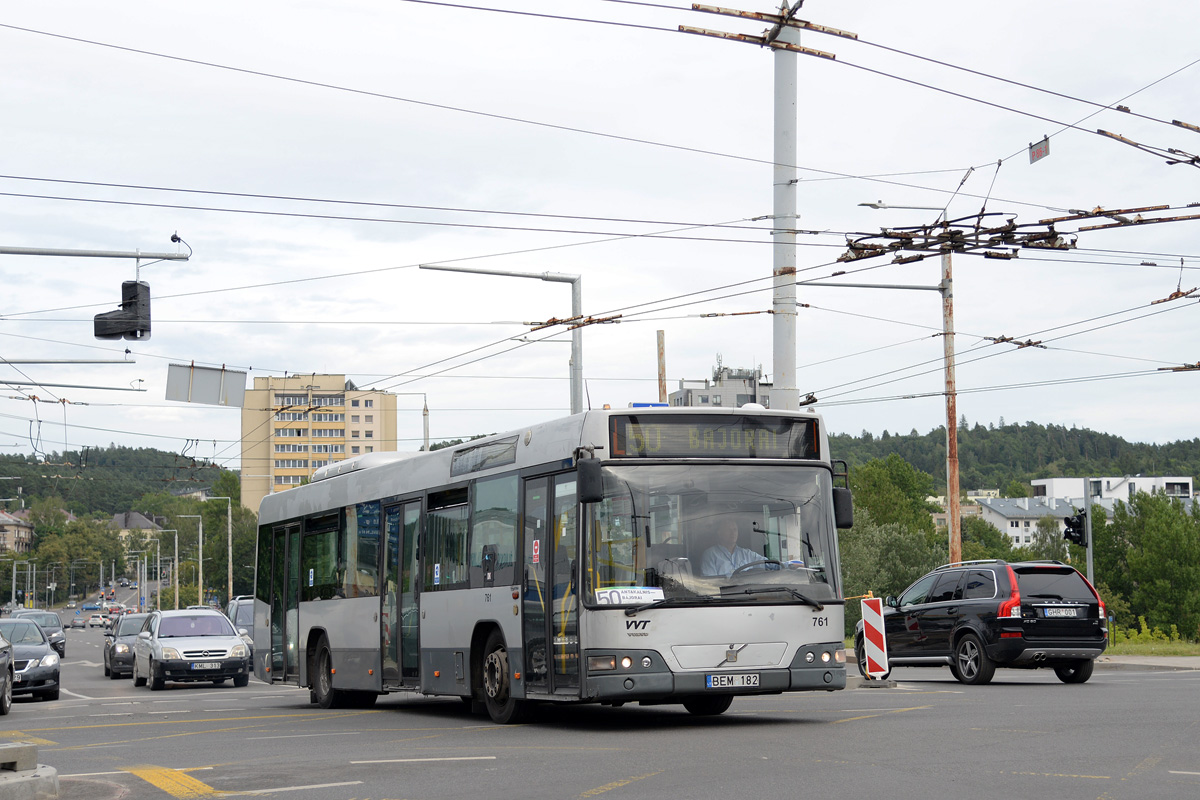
x=312, y=154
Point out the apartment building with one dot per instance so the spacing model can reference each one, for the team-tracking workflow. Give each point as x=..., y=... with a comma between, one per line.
x=295, y=425
x=729, y=388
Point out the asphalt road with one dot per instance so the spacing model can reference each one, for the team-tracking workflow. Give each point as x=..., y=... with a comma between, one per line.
x=1127, y=733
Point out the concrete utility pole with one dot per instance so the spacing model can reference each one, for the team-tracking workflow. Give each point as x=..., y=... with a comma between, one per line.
x=199, y=556
x=784, y=38
x=783, y=230
x=662, y=366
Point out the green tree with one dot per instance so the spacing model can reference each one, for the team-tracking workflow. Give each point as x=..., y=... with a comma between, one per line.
x=882, y=559
x=982, y=539
x=1048, y=542
x=892, y=491
x=1016, y=489
x=1161, y=557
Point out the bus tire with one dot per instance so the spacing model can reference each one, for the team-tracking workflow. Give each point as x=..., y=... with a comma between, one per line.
x=502, y=707
x=708, y=705
x=327, y=696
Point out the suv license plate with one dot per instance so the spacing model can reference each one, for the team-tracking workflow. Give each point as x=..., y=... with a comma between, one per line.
x=1059, y=612
x=731, y=681
x=206, y=665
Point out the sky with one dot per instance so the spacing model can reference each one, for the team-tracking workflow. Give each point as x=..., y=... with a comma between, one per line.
x=311, y=155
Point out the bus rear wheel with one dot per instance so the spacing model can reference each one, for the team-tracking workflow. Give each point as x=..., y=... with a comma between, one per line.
x=327, y=696
x=502, y=707
x=708, y=705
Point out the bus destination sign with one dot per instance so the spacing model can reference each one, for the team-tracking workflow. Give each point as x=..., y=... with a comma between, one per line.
x=713, y=436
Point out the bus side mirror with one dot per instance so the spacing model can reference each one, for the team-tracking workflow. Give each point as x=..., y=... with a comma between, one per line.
x=843, y=507
x=590, y=483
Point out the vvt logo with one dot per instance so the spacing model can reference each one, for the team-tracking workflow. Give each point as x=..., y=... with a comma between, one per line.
x=636, y=624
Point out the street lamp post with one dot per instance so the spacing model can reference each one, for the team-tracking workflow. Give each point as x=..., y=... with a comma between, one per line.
x=576, y=312
x=175, y=570
x=229, y=536
x=200, y=582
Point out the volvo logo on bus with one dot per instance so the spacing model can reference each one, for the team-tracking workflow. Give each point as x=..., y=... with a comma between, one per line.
x=636, y=624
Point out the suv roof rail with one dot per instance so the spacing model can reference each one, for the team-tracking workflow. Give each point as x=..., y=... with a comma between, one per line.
x=1044, y=561
x=968, y=563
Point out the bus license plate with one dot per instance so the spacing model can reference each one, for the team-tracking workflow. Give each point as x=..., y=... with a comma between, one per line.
x=731, y=681
x=1060, y=612
x=206, y=665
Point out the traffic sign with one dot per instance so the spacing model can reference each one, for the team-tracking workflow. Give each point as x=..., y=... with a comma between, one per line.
x=873, y=639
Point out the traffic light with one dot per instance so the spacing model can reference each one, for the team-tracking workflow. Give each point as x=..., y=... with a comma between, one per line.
x=132, y=320
x=20, y=596
x=1076, y=533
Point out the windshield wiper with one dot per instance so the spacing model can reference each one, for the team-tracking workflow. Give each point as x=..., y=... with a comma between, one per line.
x=667, y=601
x=1050, y=596
x=803, y=598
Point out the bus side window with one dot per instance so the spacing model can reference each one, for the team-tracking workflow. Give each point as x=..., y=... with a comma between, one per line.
x=494, y=532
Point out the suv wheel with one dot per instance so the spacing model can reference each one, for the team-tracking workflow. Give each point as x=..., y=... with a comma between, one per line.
x=971, y=661
x=1075, y=671
x=860, y=656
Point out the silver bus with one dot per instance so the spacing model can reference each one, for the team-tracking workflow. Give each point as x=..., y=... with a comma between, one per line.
x=584, y=560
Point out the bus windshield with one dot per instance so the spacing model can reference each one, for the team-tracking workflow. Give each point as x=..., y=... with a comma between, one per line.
x=680, y=533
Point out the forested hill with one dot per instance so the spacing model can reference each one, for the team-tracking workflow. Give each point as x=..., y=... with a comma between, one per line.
x=108, y=480
x=993, y=456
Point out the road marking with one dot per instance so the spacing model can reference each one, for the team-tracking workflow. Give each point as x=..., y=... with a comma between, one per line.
x=75, y=694
x=1179, y=772
x=415, y=760
x=173, y=782
x=303, y=735
x=608, y=787
x=893, y=711
x=295, y=788
x=17, y=736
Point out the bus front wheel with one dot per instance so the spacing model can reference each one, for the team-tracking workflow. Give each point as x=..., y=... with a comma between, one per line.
x=708, y=705
x=327, y=696
x=502, y=707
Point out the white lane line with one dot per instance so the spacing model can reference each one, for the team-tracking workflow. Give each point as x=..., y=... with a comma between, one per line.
x=126, y=703
x=1178, y=772
x=122, y=714
x=415, y=760
x=305, y=735
x=297, y=788
x=74, y=694
x=175, y=711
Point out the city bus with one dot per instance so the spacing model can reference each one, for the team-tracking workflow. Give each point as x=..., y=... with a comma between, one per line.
x=568, y=562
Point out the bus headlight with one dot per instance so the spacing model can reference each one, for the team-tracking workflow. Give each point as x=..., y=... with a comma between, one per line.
x=626, y=662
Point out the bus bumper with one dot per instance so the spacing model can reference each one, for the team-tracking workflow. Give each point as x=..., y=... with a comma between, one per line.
x=654, y=681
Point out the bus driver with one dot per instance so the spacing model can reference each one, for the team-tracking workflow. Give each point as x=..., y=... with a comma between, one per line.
x=725, y=556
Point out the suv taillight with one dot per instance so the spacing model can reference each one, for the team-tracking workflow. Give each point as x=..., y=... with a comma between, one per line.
x=1012, y=606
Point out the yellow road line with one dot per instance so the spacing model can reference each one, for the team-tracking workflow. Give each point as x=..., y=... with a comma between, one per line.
x=173, y=782
x=187, y=721
x=608, y=787
x=882, y=713
x=18, y=737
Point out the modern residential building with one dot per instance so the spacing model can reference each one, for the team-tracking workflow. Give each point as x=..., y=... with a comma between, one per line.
x=1123, y=488
x=729, y=388
x=293, y=426
x=16, y=534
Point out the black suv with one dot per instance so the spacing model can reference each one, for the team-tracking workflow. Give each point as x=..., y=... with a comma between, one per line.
x=974, y=616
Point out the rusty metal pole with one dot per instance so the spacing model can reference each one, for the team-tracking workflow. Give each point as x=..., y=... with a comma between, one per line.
x=662, y=366
x=952, y=509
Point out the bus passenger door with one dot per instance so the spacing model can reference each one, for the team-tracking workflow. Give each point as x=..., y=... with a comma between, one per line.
x=550, y=606
x=398, y=620
x=285, y=565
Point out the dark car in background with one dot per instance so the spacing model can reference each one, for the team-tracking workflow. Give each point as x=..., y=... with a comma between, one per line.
x=35, y=662
x=50, y=623
x=118, y=645
x=975, y=616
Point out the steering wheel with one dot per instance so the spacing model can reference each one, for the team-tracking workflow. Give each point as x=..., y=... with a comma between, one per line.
x=753, y=564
